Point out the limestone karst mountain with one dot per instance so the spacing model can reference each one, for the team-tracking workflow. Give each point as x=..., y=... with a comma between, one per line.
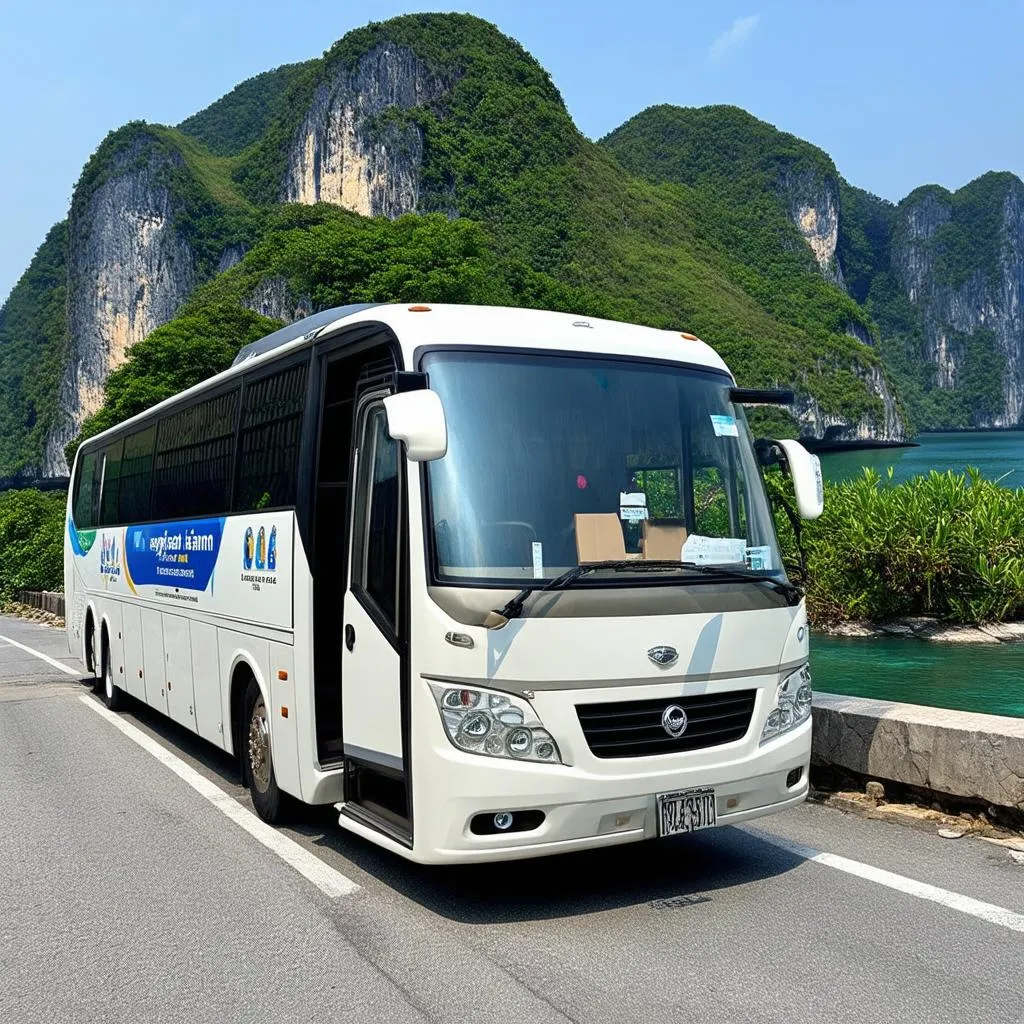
x=430, y=157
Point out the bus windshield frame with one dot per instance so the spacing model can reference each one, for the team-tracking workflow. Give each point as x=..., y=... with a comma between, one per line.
x=508, y=406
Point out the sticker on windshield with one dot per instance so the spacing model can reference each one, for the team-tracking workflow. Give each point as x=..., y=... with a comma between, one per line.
x=632, y=506
x=725, y=426
x=714, y=550
x=538, y=560
x=759, y=558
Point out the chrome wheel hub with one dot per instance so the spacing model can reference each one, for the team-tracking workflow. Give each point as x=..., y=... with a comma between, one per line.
x=259, y=747
x=108, y=681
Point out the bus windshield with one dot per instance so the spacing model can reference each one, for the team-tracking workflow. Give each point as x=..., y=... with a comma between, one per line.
x=556, y=461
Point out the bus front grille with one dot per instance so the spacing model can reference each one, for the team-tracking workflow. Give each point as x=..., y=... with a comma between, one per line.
x=634, y=728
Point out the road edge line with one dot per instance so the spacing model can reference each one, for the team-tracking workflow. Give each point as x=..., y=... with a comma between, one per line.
x=911, y=886
x=328, y=880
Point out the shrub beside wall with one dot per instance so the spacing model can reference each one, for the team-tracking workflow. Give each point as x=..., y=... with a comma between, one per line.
x=947, y=544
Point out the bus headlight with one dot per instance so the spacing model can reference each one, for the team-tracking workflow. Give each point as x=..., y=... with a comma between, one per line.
x=792, y=704
x=494, y=724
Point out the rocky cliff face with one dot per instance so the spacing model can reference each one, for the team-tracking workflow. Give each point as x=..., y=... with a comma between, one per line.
x=273, y=297
x=354, y=149
x=129, y=271
x=957, y=295
x=815, y=422
x=813, y=203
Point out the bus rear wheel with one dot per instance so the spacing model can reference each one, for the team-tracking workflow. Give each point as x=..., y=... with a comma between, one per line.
x=92, y=656
x=96, y=655
x=113, y=695
x=258, y=760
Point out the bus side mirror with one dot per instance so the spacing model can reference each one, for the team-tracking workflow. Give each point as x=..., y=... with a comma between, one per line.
x=804, y=470
x=416, y=418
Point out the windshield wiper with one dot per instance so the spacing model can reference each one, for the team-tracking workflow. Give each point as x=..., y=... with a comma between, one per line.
x=721, y=573
x=514, y=608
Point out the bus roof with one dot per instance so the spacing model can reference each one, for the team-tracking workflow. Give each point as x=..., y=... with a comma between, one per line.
x=438, y=324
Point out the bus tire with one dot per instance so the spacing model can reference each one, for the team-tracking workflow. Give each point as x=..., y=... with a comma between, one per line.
x=113, y=695
x=97, y=652
x=257, y=758
x=92, y=661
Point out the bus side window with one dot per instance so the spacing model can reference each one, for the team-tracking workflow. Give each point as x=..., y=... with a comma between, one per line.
x=87, y=485
x=111, y=481
x=375, y=565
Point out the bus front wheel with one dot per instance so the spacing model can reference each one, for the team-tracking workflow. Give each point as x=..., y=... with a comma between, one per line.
x=257, y=758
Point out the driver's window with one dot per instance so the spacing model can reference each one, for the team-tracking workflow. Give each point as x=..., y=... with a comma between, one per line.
x=378, y=504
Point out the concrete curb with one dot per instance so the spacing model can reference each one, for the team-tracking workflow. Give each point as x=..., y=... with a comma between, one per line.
x=957, y=753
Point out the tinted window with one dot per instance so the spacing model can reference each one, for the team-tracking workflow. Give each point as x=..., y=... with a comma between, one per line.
x=192, y=466
x=558, y=461
x=375, y=566
x=87, y=489
x=268, y=451
x=111, y=479
x=136, y=476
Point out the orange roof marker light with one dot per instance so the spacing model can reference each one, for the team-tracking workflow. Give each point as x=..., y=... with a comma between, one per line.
x=689, y=337
x=419, y=309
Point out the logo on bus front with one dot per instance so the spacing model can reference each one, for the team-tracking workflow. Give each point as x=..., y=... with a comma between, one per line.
x=259, y=556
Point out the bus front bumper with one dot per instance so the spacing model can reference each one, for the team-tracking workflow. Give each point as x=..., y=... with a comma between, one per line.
x=583, y=810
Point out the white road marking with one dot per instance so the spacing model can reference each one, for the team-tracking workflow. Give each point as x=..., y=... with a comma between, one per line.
x=922, y=890
x=329, y=881
x=45, y=657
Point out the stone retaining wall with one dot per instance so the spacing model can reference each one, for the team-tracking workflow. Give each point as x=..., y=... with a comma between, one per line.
x=45, y=600
x=957, y=753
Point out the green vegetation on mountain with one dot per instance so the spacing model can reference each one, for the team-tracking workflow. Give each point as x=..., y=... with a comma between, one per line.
x=546, y=219
x=240, y=118
x=969, y=242
x=865, y=233
x=741, y=179
x=33, y=340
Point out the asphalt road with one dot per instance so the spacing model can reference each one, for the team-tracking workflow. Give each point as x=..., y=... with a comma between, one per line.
x=126, y=895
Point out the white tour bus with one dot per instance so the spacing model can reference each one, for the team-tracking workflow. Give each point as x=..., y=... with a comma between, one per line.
x=495, y=582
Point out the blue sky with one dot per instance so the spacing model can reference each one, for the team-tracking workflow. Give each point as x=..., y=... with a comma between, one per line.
x=898, y=93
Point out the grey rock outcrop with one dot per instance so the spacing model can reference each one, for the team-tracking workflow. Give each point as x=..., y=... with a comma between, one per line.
x=354, y=148
x=954, y=305
x=129, y=271
x=230, y=257
x=273, y=297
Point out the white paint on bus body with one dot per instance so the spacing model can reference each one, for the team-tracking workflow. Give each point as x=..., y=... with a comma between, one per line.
x=208, y=607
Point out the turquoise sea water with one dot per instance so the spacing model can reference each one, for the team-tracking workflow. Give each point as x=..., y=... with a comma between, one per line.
x=983, y=677
x=997, y=453
x=987, y=678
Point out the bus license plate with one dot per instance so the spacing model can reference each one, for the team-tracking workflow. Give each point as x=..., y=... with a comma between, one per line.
x=686, y=811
